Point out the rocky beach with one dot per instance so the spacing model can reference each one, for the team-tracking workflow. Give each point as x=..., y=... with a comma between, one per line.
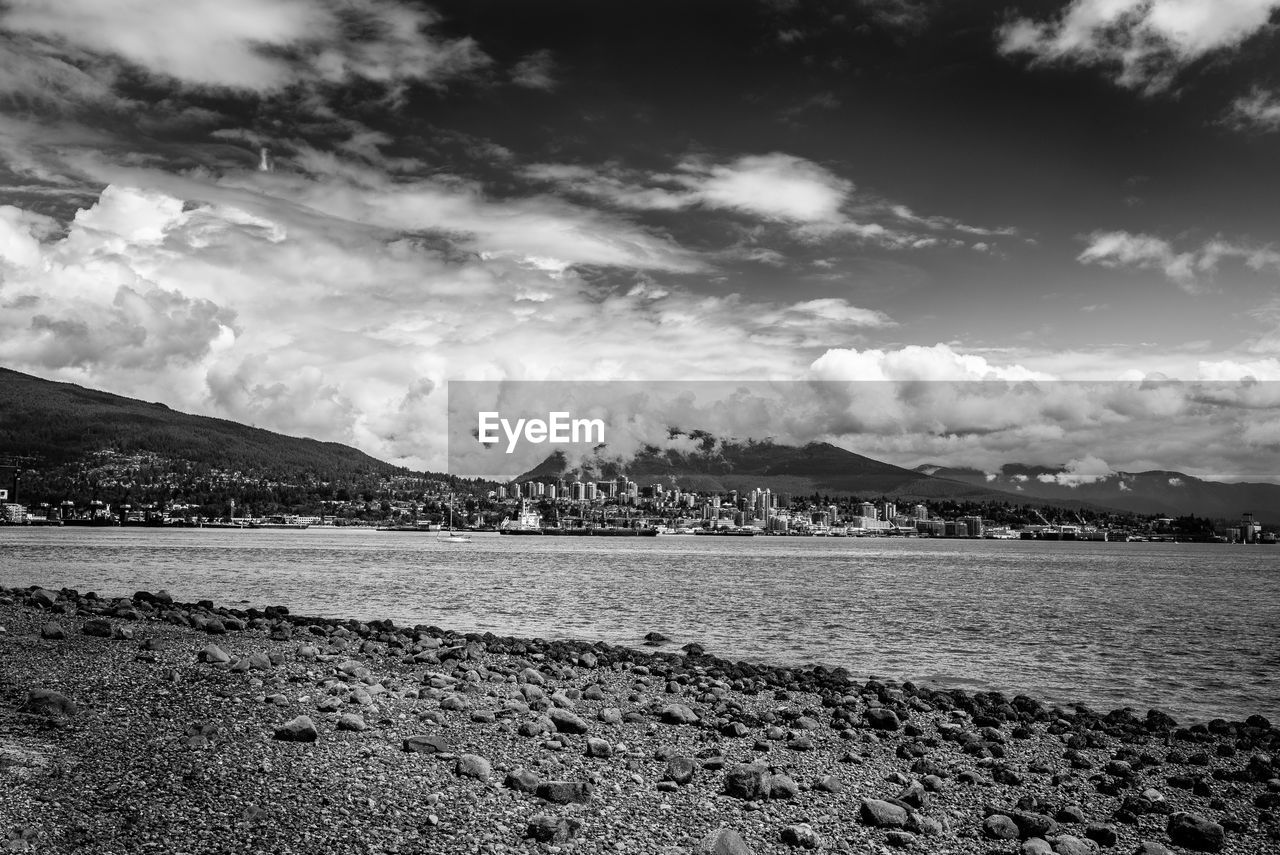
x=140, y=724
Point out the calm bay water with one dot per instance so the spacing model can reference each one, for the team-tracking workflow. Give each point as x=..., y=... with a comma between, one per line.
x=1191, y=629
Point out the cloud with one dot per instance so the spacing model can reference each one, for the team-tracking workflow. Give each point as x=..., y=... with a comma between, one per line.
x=777, y=187
x=1259, y=111
x=773, y=187
x=811, y=201
x=939, y=362
x=252, y=45
x=268, y=306
x=1230, y=369
x=1187, y=268
x=97, y=307
x=1144, y=43
x=535, y=71
x=1083, y=470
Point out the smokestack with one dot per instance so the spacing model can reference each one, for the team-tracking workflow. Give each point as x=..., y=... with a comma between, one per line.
x=264, y=160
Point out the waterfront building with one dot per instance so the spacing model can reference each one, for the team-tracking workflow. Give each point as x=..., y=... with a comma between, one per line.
x=920, y=512
x=578, y=491
x=13, y=513
x=867, y=509
x=590, y=490
x=550, y=491
x=937, y=528
x=973, y=525
x=890, y=511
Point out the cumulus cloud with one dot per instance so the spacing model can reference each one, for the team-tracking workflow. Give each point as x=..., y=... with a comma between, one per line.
x=914, y=362
x=1144, y=43
x=84, y=304
x=252, y=45
x=1258, y=111
x=1231, y=369
x=1083, y=470
x=257, y=307
x=1186, y=268
x=1195, y=427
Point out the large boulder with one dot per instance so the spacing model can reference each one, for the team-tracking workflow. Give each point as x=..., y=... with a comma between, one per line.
x=300, y=729
x=882, y=814
x=566, y=721
x=473, y=766
x=678, y=714
x=427, y=744
x=722, y=841
x=547, y=828
x=882, y=719
x=802, y=836
x=1192, y=831
x=47, y=702
x=565, y=792
x=214, y=655
x=747, y=781
x=100, y=627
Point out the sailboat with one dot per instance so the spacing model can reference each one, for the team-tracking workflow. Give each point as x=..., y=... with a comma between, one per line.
x=447, y=534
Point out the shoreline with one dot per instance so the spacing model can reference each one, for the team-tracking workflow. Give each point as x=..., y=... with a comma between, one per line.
x=648, y=750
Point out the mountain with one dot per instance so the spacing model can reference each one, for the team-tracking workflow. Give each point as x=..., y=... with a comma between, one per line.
x=1165, y=493
x=818, y=467
x=63, y=443
x=61, y=423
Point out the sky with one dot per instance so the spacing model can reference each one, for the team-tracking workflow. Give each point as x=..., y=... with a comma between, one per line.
x=311, y=215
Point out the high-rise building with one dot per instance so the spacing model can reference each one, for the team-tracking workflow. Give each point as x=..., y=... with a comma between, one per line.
x=591, y=491
x=578, y=491
x=868, y=510
x=551, y=492
x=890, y=510
x=920, y=512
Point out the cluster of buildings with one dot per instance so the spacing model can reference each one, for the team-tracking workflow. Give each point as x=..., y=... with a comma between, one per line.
x=759, y=510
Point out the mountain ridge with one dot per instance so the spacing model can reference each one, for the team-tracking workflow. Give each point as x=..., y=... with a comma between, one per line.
x=816, y=467
x=1160, y=492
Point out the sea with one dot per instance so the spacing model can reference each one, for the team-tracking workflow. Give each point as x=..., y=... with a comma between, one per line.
x=1190, y=629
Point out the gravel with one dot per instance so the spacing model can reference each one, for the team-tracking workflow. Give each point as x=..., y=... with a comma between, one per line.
x=163, y=745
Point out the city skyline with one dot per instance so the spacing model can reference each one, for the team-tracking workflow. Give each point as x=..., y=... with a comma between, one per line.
x=311, y=216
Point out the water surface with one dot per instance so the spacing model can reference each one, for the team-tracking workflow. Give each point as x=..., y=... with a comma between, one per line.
x=1193, y=629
